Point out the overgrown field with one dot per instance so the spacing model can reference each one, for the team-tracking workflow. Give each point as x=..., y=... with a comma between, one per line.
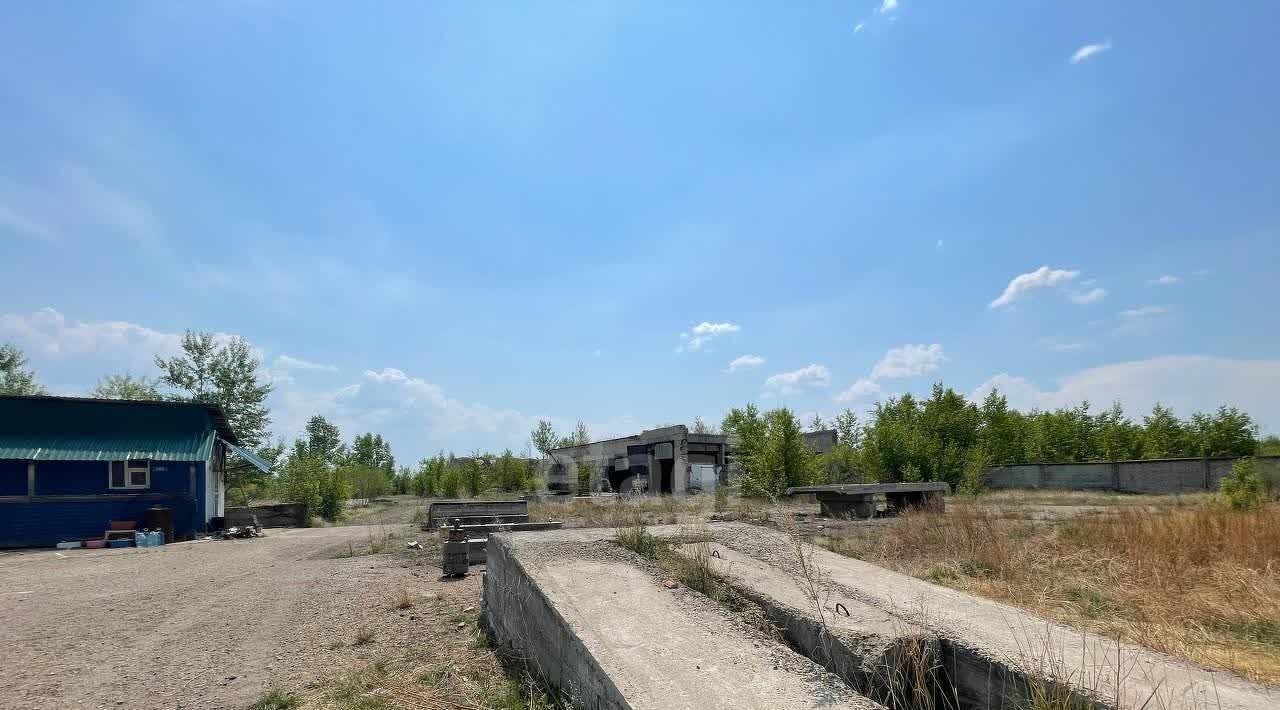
x=1186, y=576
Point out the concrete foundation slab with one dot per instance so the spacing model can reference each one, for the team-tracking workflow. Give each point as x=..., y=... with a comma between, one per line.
x=878, y=654
x=592, y=620
x=990, y=647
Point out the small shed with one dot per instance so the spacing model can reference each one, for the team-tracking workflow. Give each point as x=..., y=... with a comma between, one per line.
x=69, y=466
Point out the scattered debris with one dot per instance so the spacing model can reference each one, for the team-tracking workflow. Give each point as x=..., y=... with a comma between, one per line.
x=414, y=545
x=670, y=583
x=236, y=531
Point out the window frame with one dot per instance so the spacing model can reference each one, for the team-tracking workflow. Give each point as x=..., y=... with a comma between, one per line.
x=129, y=470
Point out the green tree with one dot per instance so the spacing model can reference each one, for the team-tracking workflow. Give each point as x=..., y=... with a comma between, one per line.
x=777, y=456
x=324, y=441
x=816, y=424
x=372, y=451
x=126, y=386
x=544, y=437
x=584, y=471
x=1118, y=438
x=1002, y=432
x=15, y=379
x=1226, y=432
x=700, y=427
x=225, y=375
x=311, y=481
x=366, y=481
x=474, y=472
x=1243, y=489
x=1164, y=435
x=511, y=474
x=848, y=431
x=581, y=436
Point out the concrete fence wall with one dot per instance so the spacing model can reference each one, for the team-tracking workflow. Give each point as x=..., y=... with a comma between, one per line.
x=280, y=515
x=1153, y=476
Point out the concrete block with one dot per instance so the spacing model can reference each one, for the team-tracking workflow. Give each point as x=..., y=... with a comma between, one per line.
x=600, y=627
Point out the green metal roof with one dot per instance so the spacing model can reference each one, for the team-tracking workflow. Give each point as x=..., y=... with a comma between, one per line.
x=74, y=429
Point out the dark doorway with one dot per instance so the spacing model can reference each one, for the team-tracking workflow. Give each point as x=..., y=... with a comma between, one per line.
x=665, y=467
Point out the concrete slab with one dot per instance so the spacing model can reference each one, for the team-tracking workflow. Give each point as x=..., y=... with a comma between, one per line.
x=596, y=623
x=988, y=640
x=880, y=655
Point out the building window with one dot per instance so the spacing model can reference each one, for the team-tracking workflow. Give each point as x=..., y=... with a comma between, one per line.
x=133, y=474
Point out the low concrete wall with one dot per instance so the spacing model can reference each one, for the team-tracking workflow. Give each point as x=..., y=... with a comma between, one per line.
x=525, y=625
x=280, y=515
x=1163, y=476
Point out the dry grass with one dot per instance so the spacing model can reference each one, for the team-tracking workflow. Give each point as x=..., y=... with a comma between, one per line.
x=453, y=668
x=1186, y=577
x=619, y=512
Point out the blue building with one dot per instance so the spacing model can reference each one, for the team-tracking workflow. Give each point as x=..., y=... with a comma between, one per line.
x=69, y=466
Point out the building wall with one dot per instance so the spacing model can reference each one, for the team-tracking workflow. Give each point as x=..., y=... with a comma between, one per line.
x=73, y=501
x=601, y=454
x=1162, y=476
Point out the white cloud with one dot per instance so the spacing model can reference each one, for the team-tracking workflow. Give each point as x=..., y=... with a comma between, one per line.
x=286, y=362
x=118, y=343
x=909, y=361
x=414, y=394
x=1144, y=312
x=1087, y=297
x=704, y=333
x=1090, y=50
x=745, y=362
x=863, y=389
x=858, y=27
x=1186, y=383
x=1166, y=280
x=887, y=6
x=797, y=381
x=1022, y=284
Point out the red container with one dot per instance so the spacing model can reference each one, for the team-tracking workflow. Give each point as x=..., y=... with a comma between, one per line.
x=95, y=544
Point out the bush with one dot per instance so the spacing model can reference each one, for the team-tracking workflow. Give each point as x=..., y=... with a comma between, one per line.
x=973, y=481
x=584, y=479
x=1243, y=489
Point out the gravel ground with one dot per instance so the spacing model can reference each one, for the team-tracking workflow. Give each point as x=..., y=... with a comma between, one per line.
x=209, y=624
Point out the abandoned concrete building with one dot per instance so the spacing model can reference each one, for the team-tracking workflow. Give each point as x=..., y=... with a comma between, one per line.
x=669, y=460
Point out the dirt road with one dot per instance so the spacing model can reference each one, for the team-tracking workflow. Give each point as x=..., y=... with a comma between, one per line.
x=207, y=624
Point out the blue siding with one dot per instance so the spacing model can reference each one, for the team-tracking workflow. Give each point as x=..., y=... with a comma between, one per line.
x=13, y=477
x=50, y=521
x=54, y=517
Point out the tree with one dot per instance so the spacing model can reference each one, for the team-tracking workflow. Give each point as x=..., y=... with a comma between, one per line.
x=771, y=452
x=324, y=441
x=309, y=480
x=1164, y=435
x=544, y=437
x=225, y=375
x=14, y=377
x=1227, y=432
x=372, y=451
x=580, y=437
x=1243, y=489
x=816, y=424
x=511, y=474
x=126, y=386
x=848, y=432
x=1118, y=438
x=700, y=427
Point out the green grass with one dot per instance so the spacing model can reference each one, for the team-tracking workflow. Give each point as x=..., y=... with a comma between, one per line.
x=276, y=699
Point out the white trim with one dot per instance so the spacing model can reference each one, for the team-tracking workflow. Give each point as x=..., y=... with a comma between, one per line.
x=128, y=475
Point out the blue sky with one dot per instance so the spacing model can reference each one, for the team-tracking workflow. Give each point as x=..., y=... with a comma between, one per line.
x=443, y=221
